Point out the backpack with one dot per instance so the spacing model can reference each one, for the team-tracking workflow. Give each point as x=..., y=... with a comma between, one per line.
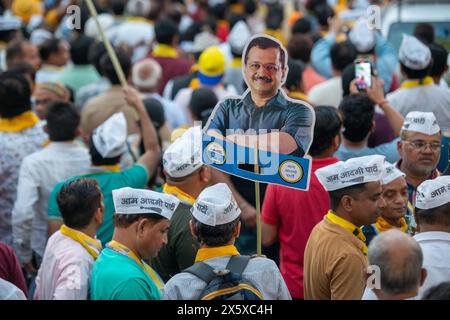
x=228, y=283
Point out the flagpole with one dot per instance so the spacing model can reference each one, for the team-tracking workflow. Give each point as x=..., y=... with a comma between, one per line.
x=109, y=48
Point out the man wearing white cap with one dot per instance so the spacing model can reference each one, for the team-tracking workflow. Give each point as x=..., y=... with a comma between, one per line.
x=107, y=145
x=216, y=224
x=186, y=177
x=433, y=218
x=335, y=255
x=394, y=213
x=419, y=148
x=141, y=220
x=418, y=92
x=367, y=43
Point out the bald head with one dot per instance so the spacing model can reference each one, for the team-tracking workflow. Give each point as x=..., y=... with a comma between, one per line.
x=400, y=260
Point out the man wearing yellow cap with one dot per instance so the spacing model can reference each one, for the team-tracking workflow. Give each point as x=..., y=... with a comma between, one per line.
x=211, y=69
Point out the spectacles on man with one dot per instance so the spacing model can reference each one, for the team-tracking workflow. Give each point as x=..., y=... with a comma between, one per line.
x=271, y=68
x=421, y=145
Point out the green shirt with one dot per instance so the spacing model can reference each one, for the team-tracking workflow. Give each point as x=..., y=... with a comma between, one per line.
x=118, y=277
x=181, y=248
x=78, y=76
x=135, y=176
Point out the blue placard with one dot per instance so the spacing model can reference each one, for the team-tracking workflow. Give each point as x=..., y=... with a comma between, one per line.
x=275, y=168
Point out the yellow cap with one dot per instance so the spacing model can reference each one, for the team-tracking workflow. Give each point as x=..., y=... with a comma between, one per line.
x=26, y=8
x=212, y=62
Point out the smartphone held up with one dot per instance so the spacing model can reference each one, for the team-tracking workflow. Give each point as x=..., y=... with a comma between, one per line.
x=363, y=74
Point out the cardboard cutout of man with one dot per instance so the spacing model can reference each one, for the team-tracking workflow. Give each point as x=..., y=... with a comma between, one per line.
x=264, y=116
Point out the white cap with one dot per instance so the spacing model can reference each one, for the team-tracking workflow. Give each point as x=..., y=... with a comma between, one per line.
x=423, y=122
x=433, y=193
x=140, y=201
x=39, y=36
x=361, y=36
x=204, y=40
x=146, y=73
x=132, y=33
x=239, y=36
x=216, y=206
x=184, y=155
x=348, y=173
x=90, y=29
x=390, y=173
x=413, y=53
x=110, y=137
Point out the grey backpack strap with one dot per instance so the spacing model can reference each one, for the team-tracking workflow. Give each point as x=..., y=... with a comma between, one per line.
x=237, y=264
x=203, y=271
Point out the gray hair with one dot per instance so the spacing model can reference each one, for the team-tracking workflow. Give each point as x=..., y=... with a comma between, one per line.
x=400, y=260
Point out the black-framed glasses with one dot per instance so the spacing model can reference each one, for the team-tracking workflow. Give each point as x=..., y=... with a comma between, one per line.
x=421, y=145
x=271, y=68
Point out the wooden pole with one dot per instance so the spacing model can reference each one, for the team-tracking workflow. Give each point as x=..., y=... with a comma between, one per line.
x=108, y=46
x=257, y=202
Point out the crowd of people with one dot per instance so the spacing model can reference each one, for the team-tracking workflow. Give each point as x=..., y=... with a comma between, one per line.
x=103, y=191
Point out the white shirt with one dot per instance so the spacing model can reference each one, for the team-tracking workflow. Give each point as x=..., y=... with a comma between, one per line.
x=173, y=112
x=14, y=147
x=8, y=291
x=427, y=98
x=65, y=270
x=263, y=272
x=328, y=93
x=436, y=257
x=183, y=97
x=38, y=174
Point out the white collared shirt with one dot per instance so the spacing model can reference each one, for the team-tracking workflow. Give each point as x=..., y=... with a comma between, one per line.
x=436, y=258
x=39, y=173
x=65, y=270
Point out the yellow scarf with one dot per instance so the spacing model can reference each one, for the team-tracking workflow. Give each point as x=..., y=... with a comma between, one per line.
x=164, y=51
x=214, y=252
x=111, y=167
x=120, y=248
x=19, y=123
x=195, y=83
x=347, y=225
x=180, y=194
x=297, y=95
x=236, y=63
x=416, y=83
x=91, y=245
x=382, y=225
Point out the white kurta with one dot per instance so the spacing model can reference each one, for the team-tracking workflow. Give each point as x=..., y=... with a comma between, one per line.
x=39, y=173
x=65, y=270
